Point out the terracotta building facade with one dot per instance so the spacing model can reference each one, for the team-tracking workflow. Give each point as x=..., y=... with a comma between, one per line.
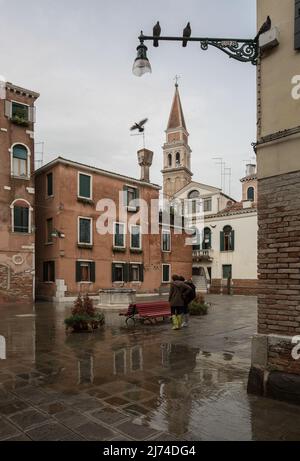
x=75, y=254
x=17, y=192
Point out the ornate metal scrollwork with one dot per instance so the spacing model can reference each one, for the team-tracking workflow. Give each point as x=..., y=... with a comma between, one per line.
x=244, y=51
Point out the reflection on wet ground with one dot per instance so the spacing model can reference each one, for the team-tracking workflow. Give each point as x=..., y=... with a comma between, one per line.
x=143, y=383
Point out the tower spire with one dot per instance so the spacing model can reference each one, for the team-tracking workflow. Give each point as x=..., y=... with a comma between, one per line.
x=176, y=119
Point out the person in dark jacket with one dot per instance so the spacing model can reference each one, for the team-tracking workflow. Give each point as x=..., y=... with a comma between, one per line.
x=179, y=291
x=189, y=298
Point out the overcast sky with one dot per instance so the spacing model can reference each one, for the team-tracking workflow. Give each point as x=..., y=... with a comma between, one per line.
x=79, y=56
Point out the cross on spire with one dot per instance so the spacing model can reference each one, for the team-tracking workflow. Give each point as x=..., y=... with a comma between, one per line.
x=177, y=77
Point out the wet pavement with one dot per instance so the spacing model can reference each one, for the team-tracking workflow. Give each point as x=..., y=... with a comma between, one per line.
x=135, y=383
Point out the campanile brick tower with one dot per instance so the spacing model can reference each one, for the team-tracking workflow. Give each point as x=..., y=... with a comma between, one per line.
x=177, y=153
x=17, y=117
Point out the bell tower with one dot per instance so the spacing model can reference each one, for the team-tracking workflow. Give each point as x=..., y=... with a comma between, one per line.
x=176, y=151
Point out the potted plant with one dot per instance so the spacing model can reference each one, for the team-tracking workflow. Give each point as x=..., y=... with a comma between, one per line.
x=84, y=316
x=198, y=306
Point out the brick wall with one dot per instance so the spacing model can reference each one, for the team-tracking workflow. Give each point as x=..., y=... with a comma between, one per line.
x=247, y=287
x=279, y=254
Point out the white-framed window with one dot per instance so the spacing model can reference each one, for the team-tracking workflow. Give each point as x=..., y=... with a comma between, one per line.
x=207, y=204
x=136, y=272
x=85, y=186
x=131, y=196
x=135, y=237
x=166, y=273
x=85, y=230
x=21, y=212
x=20, y=161
x=119, y=235
x=166, y=241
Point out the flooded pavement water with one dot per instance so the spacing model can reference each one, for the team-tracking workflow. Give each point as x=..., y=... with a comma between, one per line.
x=137, y=383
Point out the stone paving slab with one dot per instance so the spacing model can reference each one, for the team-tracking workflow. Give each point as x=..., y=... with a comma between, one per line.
x=28, y=418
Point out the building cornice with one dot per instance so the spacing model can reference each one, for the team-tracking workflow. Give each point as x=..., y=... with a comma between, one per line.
x=22, y=91
x=81, y=166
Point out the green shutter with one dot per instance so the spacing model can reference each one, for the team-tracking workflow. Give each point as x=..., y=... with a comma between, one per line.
x=45, y=276
x=141, y=272
x=232, y=240
x=84, y=186
x=130, y=273
x=113, y=273
x=126, y=269
x=137, y=196
x=222, y=241
x=52, y=264
x=78, y=274
x=125, y=195
x=93, y=272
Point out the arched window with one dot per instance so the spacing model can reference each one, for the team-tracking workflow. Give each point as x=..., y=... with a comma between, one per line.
x=206, y=244
x=250, y=193
x=170, y=160
x=194, y=204
x=178, y=159
x=227, y=239
x=21, y=216
x=20, y=161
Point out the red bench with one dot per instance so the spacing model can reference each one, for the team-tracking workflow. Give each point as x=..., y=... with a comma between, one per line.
x=147, y=311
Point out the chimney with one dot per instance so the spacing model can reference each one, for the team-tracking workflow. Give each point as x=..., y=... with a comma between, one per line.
x=145, y=158
x=250, y=169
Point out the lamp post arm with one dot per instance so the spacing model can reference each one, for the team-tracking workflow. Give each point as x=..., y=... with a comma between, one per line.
x=244, y=50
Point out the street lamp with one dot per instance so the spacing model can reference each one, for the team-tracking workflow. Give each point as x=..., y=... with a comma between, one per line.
x=243, y=50
x=141, y=64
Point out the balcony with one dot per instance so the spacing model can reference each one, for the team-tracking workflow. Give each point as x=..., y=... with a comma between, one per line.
x=203, y=255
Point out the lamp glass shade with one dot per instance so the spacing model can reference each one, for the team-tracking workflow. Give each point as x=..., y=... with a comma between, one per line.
x=141, y=64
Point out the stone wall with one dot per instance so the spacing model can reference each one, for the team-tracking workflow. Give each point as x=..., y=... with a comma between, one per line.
x=247, y=287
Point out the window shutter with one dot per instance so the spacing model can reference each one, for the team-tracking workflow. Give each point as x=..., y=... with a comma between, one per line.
x=137, y=196
x=78, y=275
x=93, y=272
x=232, y=240
x=126, y=268
x=45, y=272
x=53, y=271
x=113, y=273
x=141, y=272
x=222, y=241
x=8, y=109
x=31, y=114
x=125, y=195
x=130, y=273
x=297, y=24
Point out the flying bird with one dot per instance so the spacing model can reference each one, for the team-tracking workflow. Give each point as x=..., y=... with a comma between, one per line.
x=264, y=28
x=186, y=33
x=156, y=33
x=139, y=126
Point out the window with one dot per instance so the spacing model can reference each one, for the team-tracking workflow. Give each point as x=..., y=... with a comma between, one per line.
x=50, y=185
x=85, y=231
x=178, y=159
x=170, y=160
x=227, y=239
x=206, y=244
x=131, y=195
x=136, y=272
x=166, y=241
x=119, y=235
x=49, y=238
x=85, y=271
x=118, y=272
x=21, y=219
x=19, y=113
x=84, y=186
x=193, y=194
x=135, y=238
x=250, y=193
x=227, y=271
x=166, y=273
x=20, y=161
x=49, y=271
x=207, y=205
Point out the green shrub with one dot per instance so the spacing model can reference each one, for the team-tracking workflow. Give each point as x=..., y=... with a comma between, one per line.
x=84, y=316
x=198, y=308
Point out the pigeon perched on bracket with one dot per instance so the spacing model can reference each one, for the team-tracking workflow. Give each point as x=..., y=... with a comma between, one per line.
x=186, y=33
x=156, y=33
x=264, y=28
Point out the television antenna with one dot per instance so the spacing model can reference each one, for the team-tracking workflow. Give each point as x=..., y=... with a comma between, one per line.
x=141, y=129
